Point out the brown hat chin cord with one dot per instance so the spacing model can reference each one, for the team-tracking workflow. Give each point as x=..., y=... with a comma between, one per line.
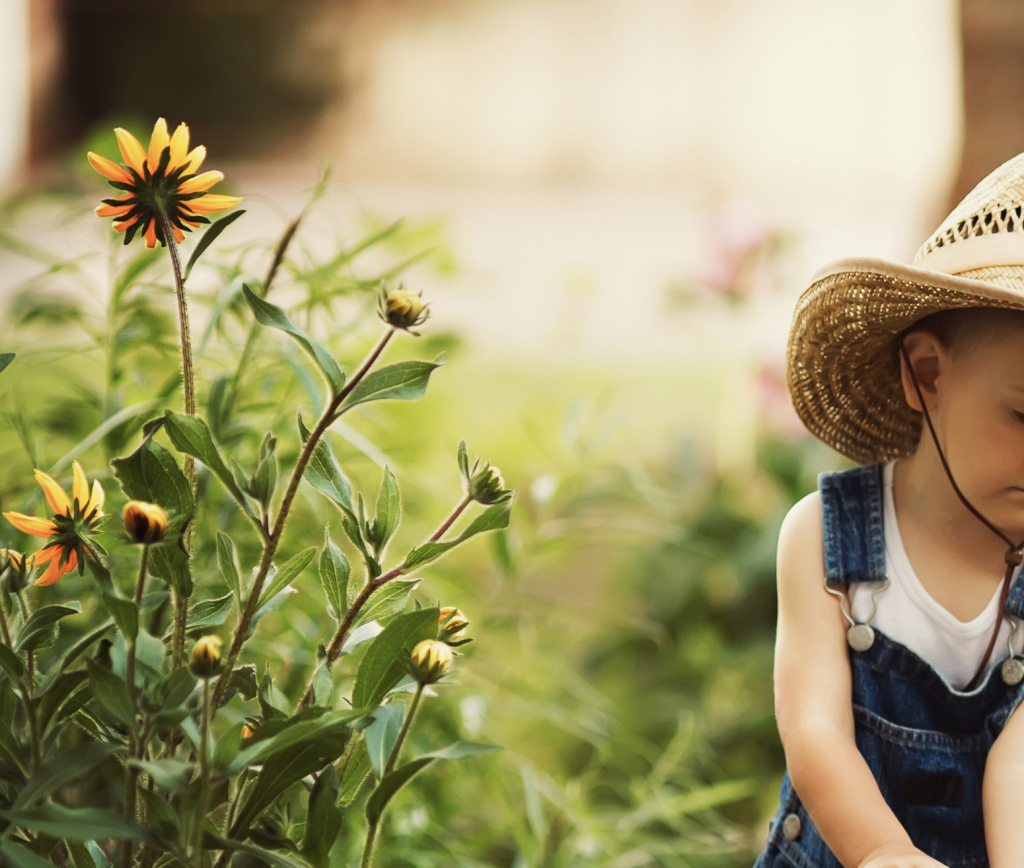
x=1013, y=553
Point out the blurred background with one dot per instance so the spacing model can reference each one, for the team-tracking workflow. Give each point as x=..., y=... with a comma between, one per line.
x=612, y=207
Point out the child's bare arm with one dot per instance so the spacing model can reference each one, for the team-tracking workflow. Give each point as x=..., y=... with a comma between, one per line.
x=814, y=711
x=1004, y=772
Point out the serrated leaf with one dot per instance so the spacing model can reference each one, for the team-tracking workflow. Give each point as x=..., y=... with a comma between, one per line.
x=189, y=434
x=495, y=517
x=209, y=613
x=271, y=315
x=40, y=628
x=386, y=601
x=324, y=473
x=111, y=692
x=227, y=559
x=382, y=735
x=287, y=574
x=383, y=664
x=334, y=573
x=323, y=819
x=403, y=381
x=82, y=824
x=209, y=236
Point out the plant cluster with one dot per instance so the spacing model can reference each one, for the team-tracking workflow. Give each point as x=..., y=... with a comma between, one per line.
x=147, y=735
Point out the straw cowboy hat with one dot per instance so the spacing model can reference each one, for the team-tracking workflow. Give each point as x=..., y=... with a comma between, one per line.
x=842, y=360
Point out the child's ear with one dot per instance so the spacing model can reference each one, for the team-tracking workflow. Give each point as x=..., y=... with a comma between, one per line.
x=929, y=358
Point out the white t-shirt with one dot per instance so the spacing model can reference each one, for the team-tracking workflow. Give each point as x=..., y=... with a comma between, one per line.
x=908, y=614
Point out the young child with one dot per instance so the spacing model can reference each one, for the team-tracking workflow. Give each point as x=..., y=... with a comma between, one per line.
x=898, y=660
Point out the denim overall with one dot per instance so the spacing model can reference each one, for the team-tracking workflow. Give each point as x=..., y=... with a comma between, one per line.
x=925, y=742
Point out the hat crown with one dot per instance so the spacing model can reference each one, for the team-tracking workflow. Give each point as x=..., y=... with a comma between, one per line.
x=995, y=206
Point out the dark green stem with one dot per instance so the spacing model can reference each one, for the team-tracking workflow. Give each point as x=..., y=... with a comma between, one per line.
x=204, y=779
x=26, y=692
x=139, y=586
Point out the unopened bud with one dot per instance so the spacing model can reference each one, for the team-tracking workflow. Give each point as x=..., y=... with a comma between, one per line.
x=206, y=657
x=486, y=486
x=145, y=522
x=453, y=624
x=402, y=308
x=249, y=727
x=430, y=661
x=10, y=556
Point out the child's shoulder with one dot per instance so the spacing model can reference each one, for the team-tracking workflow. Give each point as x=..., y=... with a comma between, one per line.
x=800, y=560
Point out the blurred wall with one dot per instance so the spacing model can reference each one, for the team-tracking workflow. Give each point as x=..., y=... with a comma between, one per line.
x=14, y=87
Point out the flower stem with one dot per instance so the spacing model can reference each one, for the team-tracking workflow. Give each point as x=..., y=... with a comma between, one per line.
x=188, y=377
x=204, y=778
x=140, y=585
x=397, y=749
x=26, y=694
x=372, y=585
x=270, y=547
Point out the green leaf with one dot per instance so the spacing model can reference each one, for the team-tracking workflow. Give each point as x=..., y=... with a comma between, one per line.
x=389, y=511
x=228, y=745
x=355, y=770
x=310, y=746
x=270, y=857
x=227, y=558
x=71, y=655
x=381, y=735
x=209, y=236
x=209, y=613
x=391, y=784
x=323, y=472
x=463, y=459
x=82, y=824
x=6, y=359
x=168, y=774
x=386, y=601
x=111, y=692
x=334, y=573
x=63, y=770
x=271, y=315
x=16, y=856
x=11, y=663
x=190, y=435
x=383, y=664
x=403, y=381
x=82, y=857
x=287, y=574
x=495, y=517
x=323, y=819
x=125, y=615
x=40, y=629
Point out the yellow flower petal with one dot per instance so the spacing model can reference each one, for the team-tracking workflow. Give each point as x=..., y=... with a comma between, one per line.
x=79, y=486
x=179, y=147
x=179, y=236
x=30, y=524
x=157, y=142
x=201, y=182
x=213, y=202
x=131, y=150
x=44, y=556
x=98, y=498
x=54, y=571
x=55, y=495
x=106, y=167
x=195, y=159
x=112, y=210
x=150, y=234
x=122, y=227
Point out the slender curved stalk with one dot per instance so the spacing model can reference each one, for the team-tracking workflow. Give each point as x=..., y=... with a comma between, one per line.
x=372, y=585
x=371, y=832
x=204, y=778
x=270, y=547
x=139, y=586
x=188, y=376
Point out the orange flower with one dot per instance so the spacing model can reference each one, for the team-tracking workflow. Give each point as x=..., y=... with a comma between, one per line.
x=162, y=180
x=73, y=523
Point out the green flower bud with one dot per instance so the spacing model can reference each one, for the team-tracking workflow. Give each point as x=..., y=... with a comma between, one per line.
x=430, y=661
x=486, y=485
x=206, y=657
x=453, y=624
x=402, y=308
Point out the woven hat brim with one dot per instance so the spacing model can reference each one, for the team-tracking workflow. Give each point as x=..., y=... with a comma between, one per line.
x=842, y=363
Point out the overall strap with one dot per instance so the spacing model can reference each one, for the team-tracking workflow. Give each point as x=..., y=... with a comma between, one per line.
x=1015, y=599
x=853, y=534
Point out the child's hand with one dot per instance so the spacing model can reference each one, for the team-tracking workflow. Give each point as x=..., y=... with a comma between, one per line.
x=891, y=857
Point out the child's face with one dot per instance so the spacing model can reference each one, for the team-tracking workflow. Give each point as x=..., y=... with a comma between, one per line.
x=978, y=401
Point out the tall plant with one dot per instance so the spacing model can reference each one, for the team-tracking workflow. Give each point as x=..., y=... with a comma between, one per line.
x=119, y=744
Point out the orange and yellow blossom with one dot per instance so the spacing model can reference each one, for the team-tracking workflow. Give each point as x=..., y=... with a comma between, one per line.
x=162, y=180
x=69, y=530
